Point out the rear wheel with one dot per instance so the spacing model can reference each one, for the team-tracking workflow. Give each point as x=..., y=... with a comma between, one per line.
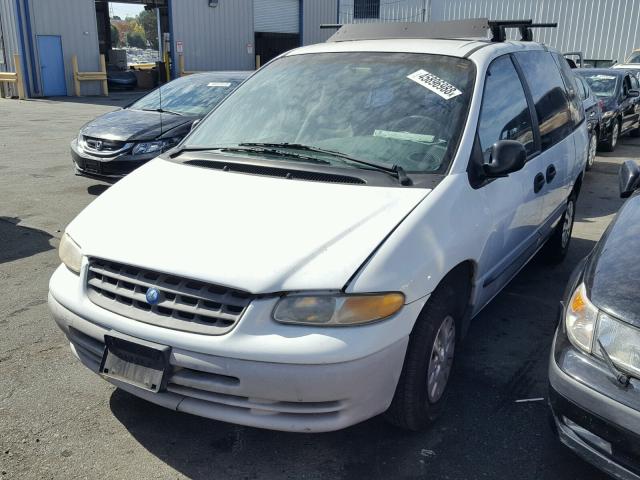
x=422, y=388
x=557, y=246
x=610, y=145
x=593, y=147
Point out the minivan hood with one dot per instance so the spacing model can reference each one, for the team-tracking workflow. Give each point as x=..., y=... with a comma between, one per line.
x=134, y=125
x=254, y=233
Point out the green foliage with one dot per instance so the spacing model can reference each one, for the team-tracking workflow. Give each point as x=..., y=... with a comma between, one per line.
x=135, y=39
x=149, y=22
x=115, y=36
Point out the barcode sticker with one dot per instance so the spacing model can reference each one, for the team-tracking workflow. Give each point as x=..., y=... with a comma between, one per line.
x=435, y=84
x=219, y=84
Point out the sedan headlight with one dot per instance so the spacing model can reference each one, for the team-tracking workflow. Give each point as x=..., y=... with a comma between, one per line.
x=622, y=343
x=337, y=310
x=587, y=327
x=158, y=146
x=580, y=319
x=80, y=140
x=70, y=253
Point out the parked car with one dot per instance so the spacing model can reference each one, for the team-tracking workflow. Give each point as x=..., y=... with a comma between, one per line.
x=619, y=91
x=632, y=62
x=593, y=114
x=311, y=255
x=116, y=143
x=121, y=80
x=594, y=371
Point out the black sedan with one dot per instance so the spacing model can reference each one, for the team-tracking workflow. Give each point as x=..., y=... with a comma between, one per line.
x=619, y=91
x=594, y=371
x=118, y=142
x=593, y=114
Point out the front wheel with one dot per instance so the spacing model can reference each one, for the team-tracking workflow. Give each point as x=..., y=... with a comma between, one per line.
x=557, y=246
x=593, y=147
x=610, y=145
x=422, y=388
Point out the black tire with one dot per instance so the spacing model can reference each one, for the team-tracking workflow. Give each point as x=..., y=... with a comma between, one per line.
x=412, y=408
x=611, y=144
x=557, y=246
x=591, y=149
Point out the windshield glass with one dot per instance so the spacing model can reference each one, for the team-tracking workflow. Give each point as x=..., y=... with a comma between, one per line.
x=192, y=95
x=393, y=108
x=602, y=85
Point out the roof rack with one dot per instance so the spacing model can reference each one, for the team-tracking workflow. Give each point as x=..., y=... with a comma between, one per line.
x=473, y=28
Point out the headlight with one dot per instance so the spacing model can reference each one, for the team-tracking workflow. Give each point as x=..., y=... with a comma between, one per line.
x=622, y=343
x=70, y=253
x=580, y=319
x=158, y=146
x=80, y=140
x=337, y=310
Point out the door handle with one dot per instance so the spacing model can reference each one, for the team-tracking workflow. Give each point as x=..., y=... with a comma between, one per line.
x=538, y=182
x=551, y=173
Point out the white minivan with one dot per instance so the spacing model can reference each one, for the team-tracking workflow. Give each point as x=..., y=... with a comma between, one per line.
x=311, y=254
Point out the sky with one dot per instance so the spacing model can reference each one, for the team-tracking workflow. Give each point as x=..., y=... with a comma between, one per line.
x=124, y=10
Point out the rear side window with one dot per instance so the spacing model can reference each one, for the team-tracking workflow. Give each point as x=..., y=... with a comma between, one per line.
x=571, y=87
x=549, y=96
x=582, y=88
x=505, y=114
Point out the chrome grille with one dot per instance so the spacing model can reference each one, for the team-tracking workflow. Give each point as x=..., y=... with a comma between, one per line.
x=104, y=147
x=184, y=304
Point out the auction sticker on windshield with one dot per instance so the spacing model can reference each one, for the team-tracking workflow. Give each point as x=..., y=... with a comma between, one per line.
x=435, y=84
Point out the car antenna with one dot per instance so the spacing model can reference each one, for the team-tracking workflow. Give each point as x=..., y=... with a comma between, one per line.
x=160, y=109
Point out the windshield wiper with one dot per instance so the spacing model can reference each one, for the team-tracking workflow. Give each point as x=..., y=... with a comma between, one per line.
x=161, y=110
x=248, y=149
x=623, y=378
x=394, y=170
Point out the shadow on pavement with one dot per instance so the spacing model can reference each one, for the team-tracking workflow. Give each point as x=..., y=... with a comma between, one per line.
x=20, y=242
x=504, y=358
x=97, y=189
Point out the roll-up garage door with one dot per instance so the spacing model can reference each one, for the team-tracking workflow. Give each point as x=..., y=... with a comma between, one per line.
x=276, y=16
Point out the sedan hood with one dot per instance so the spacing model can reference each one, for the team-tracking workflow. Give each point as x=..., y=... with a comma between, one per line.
x=254, y=233
x=612, y=274
x=135, y=125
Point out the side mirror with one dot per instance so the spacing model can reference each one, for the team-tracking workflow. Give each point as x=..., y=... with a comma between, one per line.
x=194, y=124
x=633, y=93
x=507, y=156
x=628, y=176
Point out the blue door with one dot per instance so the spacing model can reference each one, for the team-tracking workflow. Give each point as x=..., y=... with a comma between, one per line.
x=51, y=65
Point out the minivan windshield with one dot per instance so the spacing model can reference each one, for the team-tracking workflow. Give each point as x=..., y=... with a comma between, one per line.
x=193, y=95
x=401, y=109
x=601, y=84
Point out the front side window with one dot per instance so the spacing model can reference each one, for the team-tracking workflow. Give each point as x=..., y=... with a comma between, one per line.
x=634, y=58
x=192, y=95
x=548, y=91
x=366, y=9
x=505, y=113
x=394, y=108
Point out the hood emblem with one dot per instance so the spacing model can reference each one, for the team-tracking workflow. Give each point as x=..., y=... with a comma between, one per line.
x=153, y=296
x=98, y=144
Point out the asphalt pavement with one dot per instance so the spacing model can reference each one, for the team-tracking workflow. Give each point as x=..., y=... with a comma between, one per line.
x=60, y=421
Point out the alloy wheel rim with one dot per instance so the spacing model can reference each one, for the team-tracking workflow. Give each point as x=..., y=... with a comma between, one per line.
x=614, y=135
x=441, y=359
x=568, y=223
x=593, y=145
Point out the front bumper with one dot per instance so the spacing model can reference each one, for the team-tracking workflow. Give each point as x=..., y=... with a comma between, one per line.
x=595, y=417
x=114, y=167
x=261, y=374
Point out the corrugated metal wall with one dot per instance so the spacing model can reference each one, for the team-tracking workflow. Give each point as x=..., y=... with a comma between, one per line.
x=75, y=22
x=314, y=14
x=390, y=11
x=214, y=38
x=9, y=21
x=276, y=16
x=601, y=29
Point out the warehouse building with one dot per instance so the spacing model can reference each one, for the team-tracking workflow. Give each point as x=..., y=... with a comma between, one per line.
x=238, y=34
x=210, y=34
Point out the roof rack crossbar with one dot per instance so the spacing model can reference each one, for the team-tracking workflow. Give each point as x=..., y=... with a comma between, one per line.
x=454, y=29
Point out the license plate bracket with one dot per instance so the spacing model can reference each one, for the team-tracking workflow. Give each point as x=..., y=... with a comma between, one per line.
x=136, y=362
x=92, y=166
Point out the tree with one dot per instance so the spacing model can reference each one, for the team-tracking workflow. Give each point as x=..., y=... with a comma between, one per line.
x=149, y=22
x=135, y=39
x=115, y=36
